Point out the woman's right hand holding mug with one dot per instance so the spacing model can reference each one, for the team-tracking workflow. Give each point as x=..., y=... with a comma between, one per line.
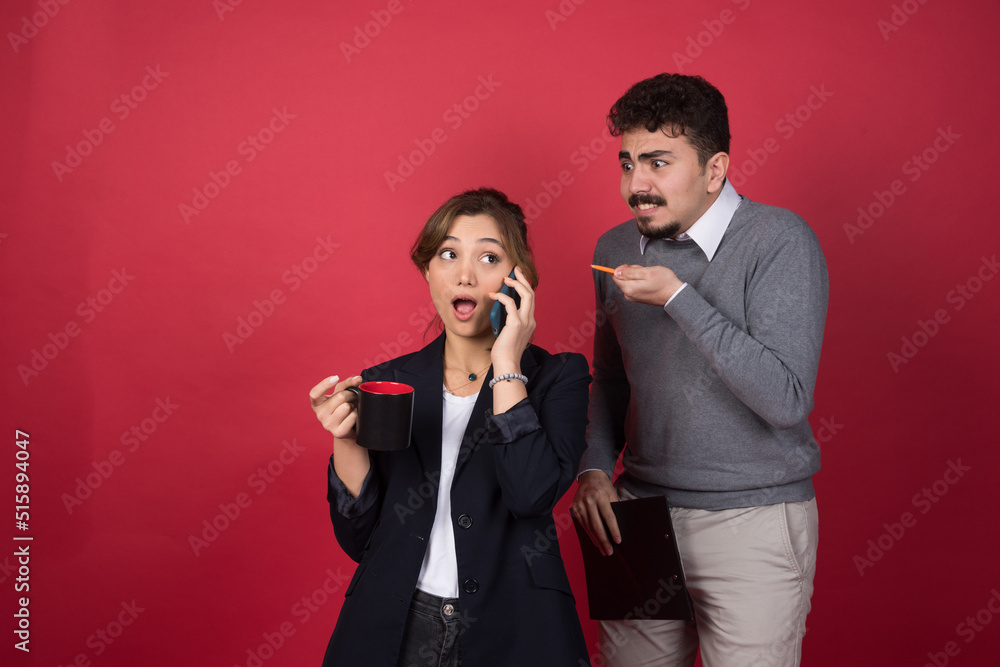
x=338, y=414
x=336, y=410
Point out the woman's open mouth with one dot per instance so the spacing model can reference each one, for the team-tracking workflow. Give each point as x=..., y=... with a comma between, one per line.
x=464, y=306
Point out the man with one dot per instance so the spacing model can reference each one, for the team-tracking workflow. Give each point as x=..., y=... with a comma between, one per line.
x=705, y=356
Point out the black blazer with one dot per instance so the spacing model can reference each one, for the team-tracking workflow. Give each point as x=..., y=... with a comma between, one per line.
x=515, y=597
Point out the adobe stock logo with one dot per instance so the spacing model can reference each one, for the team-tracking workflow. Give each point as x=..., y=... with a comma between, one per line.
x=103, y=468
x=615, y=639
x=898, y=17
x=580, y=335
x=60, y=340
x=696, y=44
x=264, y=309
x=561, y=522
x=550, y=191
x=122, y=106
x=924, y=500
x=303, y=610
x=959, y=296
x=915, y=167
x=38, y=20
x=106, y=635
x=212, y=528
x=363, y=35
x=454, y=116
x=250, y=148
x=222, y=7
x=786, y=126
x=563, y=11
x=968, y=629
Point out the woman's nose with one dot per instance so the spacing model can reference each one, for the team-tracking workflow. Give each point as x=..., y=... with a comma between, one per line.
x=467, y=272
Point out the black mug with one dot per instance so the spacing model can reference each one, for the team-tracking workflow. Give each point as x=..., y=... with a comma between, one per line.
x=385, y=415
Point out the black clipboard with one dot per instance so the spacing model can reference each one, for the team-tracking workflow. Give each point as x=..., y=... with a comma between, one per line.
x=643, y=578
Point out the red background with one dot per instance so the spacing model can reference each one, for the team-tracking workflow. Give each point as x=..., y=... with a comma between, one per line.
x=892, y=430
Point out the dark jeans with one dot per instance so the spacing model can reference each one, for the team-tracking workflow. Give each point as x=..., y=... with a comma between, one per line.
x=431, y=635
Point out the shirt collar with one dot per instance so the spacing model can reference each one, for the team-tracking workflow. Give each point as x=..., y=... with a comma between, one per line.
x=708, y=230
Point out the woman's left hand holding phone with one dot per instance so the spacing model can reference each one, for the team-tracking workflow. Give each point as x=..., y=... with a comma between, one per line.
x=512, y=341
x=337, y=413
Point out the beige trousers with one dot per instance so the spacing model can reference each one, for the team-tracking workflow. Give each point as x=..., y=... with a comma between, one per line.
x=750, y=574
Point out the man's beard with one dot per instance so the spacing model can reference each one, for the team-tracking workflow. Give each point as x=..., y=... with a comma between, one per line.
x=665, y=231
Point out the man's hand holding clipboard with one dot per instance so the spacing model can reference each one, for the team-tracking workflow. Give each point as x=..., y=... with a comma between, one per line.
x=630, y=556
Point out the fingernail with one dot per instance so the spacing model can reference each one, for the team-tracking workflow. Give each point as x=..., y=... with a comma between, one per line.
x=334, y=379
x=618, y=273
x=492, y=294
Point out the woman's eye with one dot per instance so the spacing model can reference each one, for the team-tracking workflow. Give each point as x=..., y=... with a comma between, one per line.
x=447, y=254
x=490, y=258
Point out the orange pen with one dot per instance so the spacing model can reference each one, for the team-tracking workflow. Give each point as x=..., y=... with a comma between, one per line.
x=602, y=268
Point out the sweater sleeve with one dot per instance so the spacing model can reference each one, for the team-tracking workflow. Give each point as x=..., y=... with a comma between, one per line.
x=771, y=366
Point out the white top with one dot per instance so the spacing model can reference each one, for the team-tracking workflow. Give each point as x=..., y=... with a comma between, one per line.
x=439, y=572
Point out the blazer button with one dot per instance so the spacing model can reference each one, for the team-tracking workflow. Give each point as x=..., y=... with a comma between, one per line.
x=471, y=586
x=465, y=521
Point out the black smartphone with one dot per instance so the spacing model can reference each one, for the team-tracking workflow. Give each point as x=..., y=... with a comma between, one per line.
x=498, y=315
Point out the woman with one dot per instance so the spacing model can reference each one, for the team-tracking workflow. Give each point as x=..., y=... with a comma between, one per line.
x=454, y=535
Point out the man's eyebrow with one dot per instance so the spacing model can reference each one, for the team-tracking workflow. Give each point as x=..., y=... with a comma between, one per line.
x=625, y=155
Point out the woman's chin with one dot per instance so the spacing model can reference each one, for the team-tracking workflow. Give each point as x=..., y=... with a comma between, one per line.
x=470, y=328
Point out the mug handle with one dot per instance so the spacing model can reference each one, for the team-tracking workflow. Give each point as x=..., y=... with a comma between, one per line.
x=357, y=392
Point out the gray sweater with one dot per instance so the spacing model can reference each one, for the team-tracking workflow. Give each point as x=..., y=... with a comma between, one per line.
x=712, y=393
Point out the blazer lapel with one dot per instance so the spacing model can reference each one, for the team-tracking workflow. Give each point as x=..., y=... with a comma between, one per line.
x=425, y=373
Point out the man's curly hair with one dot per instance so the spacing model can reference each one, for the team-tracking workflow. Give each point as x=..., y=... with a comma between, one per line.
x=680, y=105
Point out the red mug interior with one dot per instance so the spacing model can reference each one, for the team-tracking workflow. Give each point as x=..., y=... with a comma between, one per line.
x=386, y=387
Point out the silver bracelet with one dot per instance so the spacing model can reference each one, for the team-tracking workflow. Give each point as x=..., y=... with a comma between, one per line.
x=507, y=377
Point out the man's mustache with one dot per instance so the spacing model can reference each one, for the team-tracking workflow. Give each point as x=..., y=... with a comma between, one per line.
x=640, y=198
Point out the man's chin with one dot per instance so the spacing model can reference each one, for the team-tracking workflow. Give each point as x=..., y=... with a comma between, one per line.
x=653, y=231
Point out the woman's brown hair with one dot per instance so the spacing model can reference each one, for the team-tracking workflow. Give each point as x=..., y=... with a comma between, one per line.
x=484, y=201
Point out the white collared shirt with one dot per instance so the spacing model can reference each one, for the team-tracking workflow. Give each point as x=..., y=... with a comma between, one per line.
x=708, y=230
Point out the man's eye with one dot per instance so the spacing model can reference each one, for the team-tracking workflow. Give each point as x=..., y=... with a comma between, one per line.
x=626, y=167
x=659, y=163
